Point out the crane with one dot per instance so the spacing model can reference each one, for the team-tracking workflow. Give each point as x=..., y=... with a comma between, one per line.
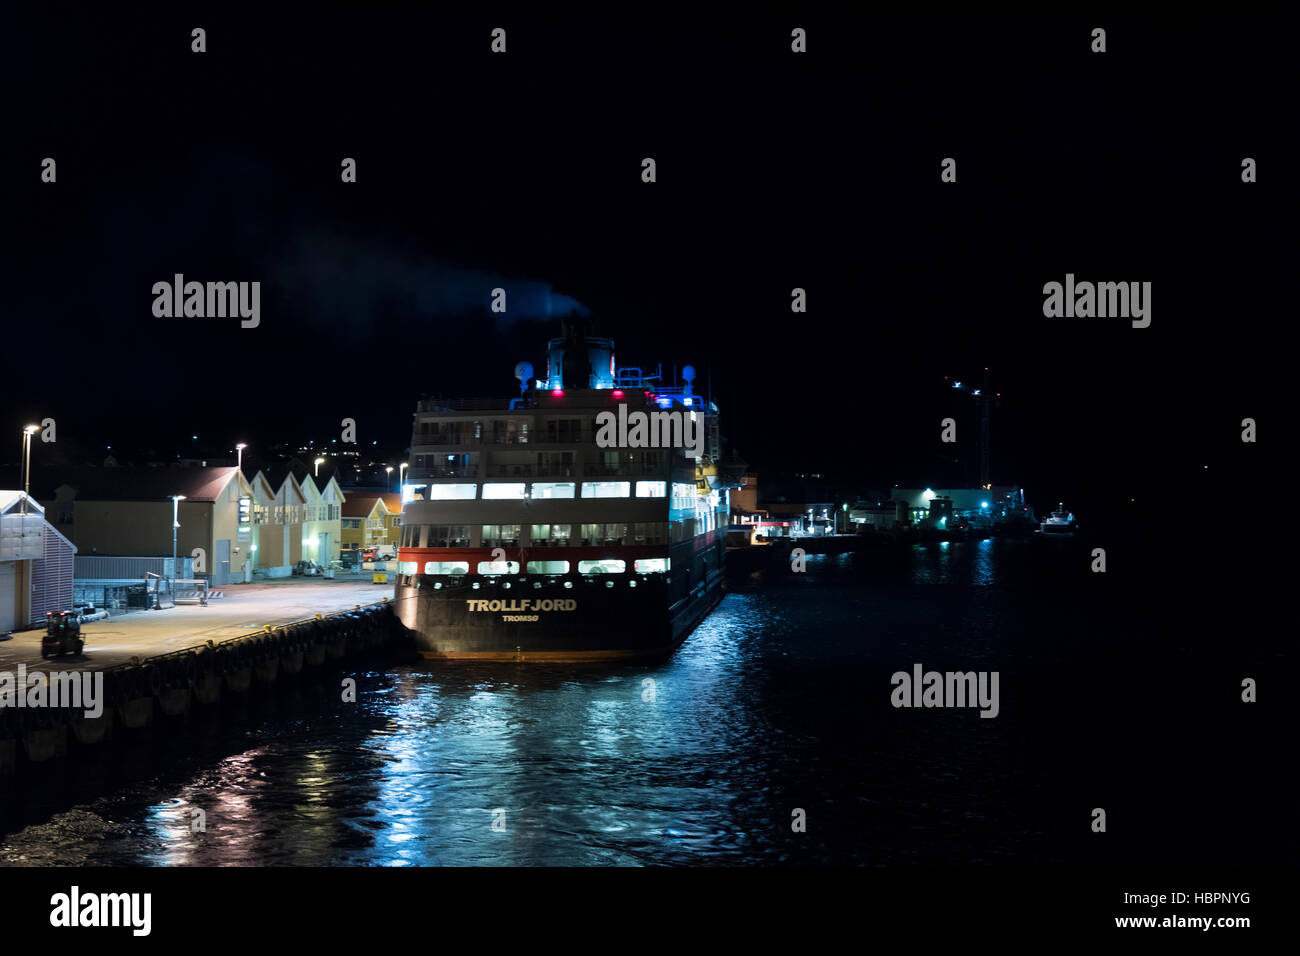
x=984, y=397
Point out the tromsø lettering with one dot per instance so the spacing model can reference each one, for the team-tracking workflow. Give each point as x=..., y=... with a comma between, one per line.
x=1099, y=300
x=212, y=300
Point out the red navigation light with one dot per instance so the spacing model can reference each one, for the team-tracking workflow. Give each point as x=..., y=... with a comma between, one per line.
x=557, y=393
x=618, y=393
x=651, y=395
x=49, y=614
x=63, y=614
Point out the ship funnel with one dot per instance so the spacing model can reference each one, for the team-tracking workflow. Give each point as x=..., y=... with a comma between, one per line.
x=688, y=376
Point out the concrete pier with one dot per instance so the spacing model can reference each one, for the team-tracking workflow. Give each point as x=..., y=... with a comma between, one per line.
x=244, y=609
x=159, y=665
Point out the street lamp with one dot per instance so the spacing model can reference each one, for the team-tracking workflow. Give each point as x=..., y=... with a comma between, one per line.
x=319, y=462
x=401, y=474
x=176, y=502
x=28, y=432
x=389, y=470
x=239, y=450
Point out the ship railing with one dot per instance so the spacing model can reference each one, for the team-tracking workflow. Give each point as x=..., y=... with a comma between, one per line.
x=435, y=440
x=463, y=404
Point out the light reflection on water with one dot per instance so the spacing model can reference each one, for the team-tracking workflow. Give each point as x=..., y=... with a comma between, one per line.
x=779, y=700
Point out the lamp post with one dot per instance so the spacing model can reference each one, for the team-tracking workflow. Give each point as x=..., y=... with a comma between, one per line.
x=176, y=502
x=319, y=462
x=28, y=432
x=401, y=475
x=239, y=450
x=389, y=470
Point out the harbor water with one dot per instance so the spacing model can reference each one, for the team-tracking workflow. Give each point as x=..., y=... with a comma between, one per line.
x=770, y=737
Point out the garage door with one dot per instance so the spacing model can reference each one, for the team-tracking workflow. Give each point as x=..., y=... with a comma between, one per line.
x=7, y=595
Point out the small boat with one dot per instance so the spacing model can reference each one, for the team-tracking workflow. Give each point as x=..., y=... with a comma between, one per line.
x=1061, y=523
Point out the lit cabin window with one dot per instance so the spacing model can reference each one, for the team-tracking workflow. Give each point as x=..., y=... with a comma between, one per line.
x=551, y=535
x=606, y=489
x=652, y=565
x=452, y=492
x=652, y=489
x=498, y=567
x=552, y=489
x=446, y=567
x=602, y=566
x=548, y=567
x=497, y=490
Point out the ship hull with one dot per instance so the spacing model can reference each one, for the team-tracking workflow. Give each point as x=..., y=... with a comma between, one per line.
x=542, y=619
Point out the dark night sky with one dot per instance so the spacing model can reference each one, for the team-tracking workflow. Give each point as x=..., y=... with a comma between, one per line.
x=775, y=171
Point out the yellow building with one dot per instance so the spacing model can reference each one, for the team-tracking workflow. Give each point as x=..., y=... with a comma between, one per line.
x=322, y=527
x=393, y=518
x=366, y=521
x=279, y=508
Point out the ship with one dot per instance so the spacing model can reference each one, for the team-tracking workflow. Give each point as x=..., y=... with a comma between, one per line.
x=584, y=519
x=1060, y=524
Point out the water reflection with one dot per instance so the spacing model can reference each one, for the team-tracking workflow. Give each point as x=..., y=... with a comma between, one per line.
x=778, y=701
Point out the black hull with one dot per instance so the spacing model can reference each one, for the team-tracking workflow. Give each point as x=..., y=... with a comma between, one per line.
x=532, y=618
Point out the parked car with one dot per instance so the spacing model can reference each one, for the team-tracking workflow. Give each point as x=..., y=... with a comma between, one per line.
x=87, y=613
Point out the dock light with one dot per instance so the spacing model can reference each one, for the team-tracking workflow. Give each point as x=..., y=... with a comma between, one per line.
x=28, y=432
x=319, y=462
x=984, y=504
x=239, y=450
x=557, y=393
x=956, y=384
x=176, y=501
